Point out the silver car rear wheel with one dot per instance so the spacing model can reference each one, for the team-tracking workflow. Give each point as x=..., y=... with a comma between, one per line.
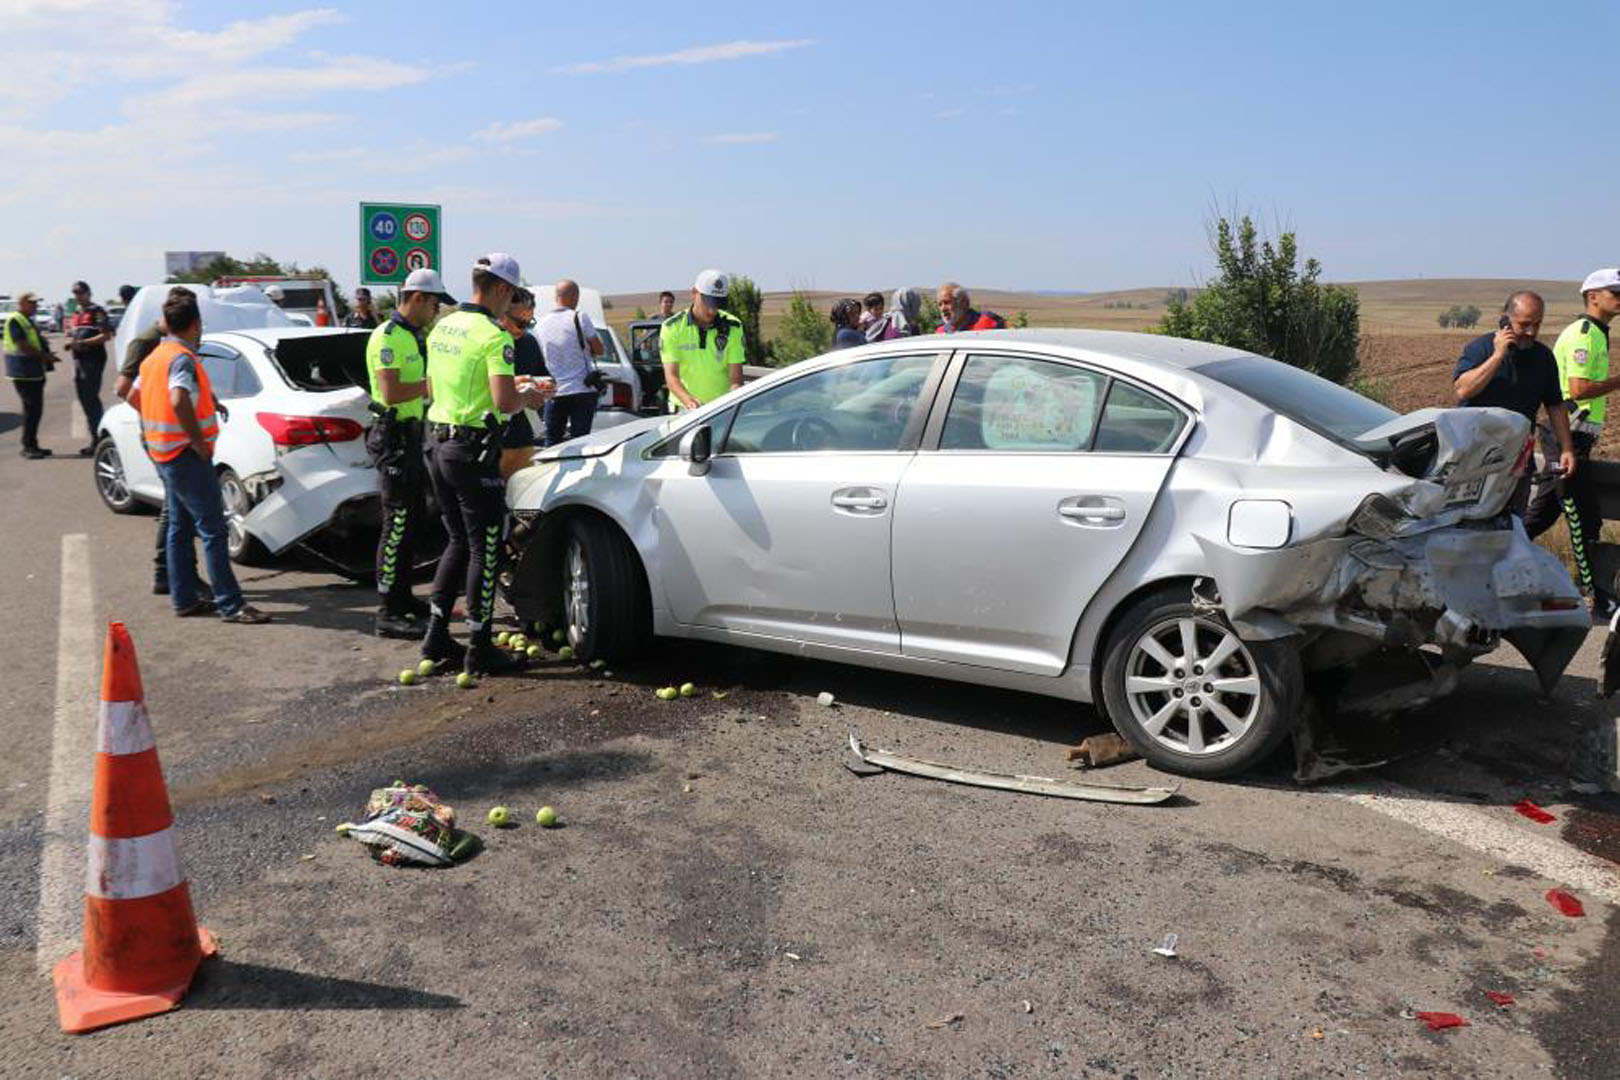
x=1191, y=695
x=1192, y=685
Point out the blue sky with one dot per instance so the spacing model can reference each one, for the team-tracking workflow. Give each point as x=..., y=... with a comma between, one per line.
x=1016, y=145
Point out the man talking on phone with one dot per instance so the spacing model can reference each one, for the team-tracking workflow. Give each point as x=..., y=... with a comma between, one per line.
x=1510, y=369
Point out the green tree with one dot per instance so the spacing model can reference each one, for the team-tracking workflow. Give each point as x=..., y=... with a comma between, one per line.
x=1467, y=318
x=1444, y=320
x=804, y=332
x=260, y=265
x=1020, y=321
x=1262, y=301
x=641, y=313
x=928, y=317
x=743, y=300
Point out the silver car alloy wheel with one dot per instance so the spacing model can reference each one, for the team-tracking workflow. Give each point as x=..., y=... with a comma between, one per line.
x=110, y=476
x=1192, y=685
x=576, y=593
x=237, y=505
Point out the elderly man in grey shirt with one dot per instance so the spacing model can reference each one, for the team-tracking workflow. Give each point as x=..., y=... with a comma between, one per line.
x=570, y=345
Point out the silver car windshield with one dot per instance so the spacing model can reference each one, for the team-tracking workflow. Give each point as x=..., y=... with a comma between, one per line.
x=1325, y=407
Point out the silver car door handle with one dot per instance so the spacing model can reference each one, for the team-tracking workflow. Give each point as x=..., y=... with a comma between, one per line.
x=1092, y=513
x=860, y=502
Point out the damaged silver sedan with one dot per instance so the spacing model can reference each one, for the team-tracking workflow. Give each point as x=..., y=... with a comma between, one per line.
x=1197, y=540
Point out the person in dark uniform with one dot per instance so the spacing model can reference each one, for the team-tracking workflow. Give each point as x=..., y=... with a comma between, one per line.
x=469, y=368
x=362, y=316
x=398, y=375
x=517, y=445
x=88, y=332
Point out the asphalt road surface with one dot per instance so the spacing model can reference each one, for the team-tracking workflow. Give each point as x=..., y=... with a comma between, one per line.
x=725, y=899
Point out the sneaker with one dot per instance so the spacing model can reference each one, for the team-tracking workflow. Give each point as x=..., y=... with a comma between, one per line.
x=417, y=608
x=197, y=607
x=35, y=453
x=247, y=614
x=485, y=658
x=160, y=586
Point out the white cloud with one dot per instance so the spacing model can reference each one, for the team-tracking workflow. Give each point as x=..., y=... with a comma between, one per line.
x=739, y=138
x=949, y=114
x=500, y=132
x=702, y=54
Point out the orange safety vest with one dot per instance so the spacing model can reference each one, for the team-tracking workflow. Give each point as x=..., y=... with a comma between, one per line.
x=160, y=427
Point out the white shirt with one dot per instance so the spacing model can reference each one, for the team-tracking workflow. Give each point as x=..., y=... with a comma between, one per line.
x=566, y=360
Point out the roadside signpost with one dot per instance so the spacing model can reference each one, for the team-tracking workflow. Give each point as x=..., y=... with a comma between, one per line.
x=396, y=238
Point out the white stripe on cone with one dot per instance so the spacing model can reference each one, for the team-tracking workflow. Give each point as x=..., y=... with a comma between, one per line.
x=124, y=728
x=131, y=868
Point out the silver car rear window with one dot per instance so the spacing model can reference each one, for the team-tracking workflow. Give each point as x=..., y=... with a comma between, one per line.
x=1325, y=407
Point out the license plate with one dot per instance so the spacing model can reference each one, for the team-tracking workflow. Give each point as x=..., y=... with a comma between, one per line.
x=1464, y=491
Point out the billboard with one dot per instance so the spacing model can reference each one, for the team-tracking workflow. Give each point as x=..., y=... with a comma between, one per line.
x=188, y=262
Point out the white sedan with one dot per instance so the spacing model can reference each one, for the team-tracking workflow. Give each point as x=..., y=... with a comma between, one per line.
x=291, y=457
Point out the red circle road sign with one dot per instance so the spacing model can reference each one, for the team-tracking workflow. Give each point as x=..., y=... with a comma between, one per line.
x=384, y=262
x=418, y=228
x=418, y=259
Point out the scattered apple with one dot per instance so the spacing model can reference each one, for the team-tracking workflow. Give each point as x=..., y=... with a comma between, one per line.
x=546, y=817
x=407, y=677
x=499, y=816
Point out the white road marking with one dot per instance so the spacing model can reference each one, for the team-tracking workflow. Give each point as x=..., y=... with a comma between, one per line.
x=73, y=748
x=1498, y=839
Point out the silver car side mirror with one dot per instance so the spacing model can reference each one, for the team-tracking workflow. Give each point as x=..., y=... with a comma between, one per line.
x=697, y=447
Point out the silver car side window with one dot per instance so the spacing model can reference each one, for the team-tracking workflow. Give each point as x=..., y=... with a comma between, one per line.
x=1017, y=404
x=1136, y=422
x=858, y=407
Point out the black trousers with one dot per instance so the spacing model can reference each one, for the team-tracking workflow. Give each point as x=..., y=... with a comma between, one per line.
x=87, y=373
x=472, y=501
x=1575, y=498
x=31, y=392
x=401, y=483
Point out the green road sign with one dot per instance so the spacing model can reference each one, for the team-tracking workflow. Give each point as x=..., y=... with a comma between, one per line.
x=396, y=238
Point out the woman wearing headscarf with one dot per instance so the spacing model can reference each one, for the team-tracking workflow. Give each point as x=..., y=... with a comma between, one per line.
x=900, y=320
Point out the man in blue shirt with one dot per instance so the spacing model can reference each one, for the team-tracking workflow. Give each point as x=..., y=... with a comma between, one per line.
x=1510, y=369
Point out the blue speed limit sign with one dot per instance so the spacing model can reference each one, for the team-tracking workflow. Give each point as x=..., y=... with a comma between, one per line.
x=384, y=225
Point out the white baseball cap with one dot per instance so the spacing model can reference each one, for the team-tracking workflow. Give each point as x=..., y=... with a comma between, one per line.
x=712, y=284
x=1608, y=278
x=426, y=281
x=502, y=266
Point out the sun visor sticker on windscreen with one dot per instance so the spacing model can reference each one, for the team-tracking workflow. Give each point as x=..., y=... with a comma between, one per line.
x=1024, y=410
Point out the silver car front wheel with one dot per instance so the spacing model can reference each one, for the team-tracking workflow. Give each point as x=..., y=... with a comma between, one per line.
x=576, y=593
x=1191, y=695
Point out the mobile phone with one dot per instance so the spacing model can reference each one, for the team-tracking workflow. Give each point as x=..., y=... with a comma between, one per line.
x=1503, y=323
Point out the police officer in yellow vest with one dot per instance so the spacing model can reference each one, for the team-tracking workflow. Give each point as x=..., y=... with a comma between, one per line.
x=398, y=369
x=1582, y=352
x=702, y=347
x=474, y=390
x=27, y=361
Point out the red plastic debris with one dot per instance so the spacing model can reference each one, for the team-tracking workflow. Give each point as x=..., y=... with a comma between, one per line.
x=1439, y=1021
x=1565, y=903
x=1501, y=997
x=1528, y=809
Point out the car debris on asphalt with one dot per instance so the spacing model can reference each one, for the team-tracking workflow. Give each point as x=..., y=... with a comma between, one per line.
x=1167, y=949
x=864, y=759
x=1099, y=750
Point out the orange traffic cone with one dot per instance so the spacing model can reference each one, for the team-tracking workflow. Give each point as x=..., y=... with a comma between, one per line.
x=142, y=943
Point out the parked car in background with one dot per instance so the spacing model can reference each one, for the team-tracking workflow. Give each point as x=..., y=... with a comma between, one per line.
x=291, y=456
x=616, y=401
x=1190, y=537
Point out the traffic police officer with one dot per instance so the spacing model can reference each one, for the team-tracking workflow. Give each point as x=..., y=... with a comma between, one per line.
x=1582, y=352
x=398, y=371
x=27, y=361
x=469, y=369
x=702, y=347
